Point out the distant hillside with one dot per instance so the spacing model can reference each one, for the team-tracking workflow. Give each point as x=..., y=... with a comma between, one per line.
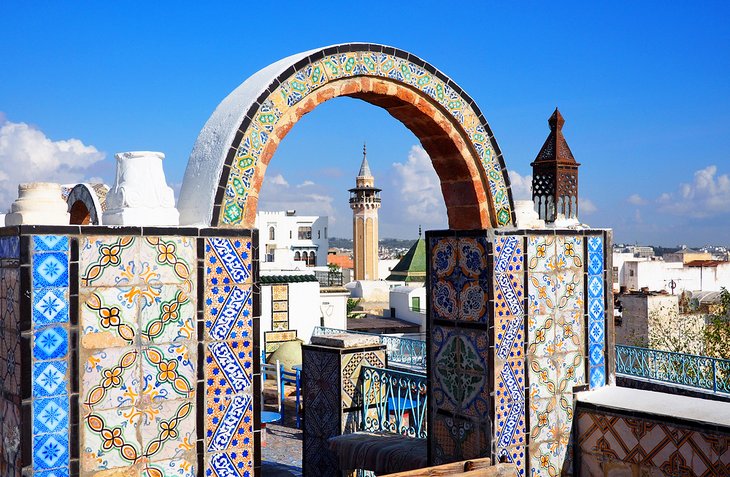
x=386, y=242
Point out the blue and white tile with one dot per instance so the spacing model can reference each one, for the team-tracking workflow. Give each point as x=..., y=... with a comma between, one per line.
x=50, y=270
x=50, y=305
x=50, y=343
x=63, y=472
x=50, y=451
x=10, y=247
x=50, y=378
x=597, y=376
x=50, y=243
x=50, y=415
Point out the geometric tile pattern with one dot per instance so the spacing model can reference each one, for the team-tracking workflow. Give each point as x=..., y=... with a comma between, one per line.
x=228, y=342
x=555, y=350
x=459, y=293
x=628, y=445
x=509, y=342
x=50, y=352
x=294, y=88
x=280, y=307
x=138, y=352
x=596, y=313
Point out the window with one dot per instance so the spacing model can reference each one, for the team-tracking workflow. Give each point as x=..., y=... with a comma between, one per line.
x=305, y=233
x=305, y=258
x=290, y=235
x=416, y=303
x=325, y=232
x=272, y=233
x=319, y=234
x=631, y=273
x=297, y=256
x=312, y=259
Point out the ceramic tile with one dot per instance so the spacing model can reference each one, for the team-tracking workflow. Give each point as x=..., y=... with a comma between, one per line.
x=460, y=376
x=458, y=439
x=350, y=366
x=50, y=343
x=10, y=247
x=109, y=261
x=472, y=255
x=108, y=317
x=50, y=305
x=542, y=376
x=570, y=368
x=473, y=300
x=509, y=401
x=50, y=270
x=62, y=472
x=229, y=422
x=229, y=367
x=233, y=463
x=444, y=300
x=229, y=312
x=595, y=286
x=50, y=451
x=228, y=261
x=50, y=243
x=597, y=376
x=169, y=260
x=541, y=253
x=541, y=293
x=544, y=459
x=170, y=468
x=110, y=378
x=569, y=252
x=569, y=331
x=508, y=254
x=50, y=415
x=514, y=455
x=168, y=372
x=109, y=439
x=569, y=294
x=170, y=318
x=443, y=256
x=541, y=336
x=167, y=430
x=50, y=378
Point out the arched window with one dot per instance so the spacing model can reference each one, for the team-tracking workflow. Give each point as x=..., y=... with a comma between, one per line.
x=297, y=256
x=272, y=233
x=305, y=257
x=312, y=259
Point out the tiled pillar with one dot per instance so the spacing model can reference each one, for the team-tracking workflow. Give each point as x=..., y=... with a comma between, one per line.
x=232, y=385
x=47, y=330
x=10, y=359
x=331, y=395
x=459, y=366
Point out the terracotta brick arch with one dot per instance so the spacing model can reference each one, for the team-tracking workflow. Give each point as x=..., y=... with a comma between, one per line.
x=229, y=159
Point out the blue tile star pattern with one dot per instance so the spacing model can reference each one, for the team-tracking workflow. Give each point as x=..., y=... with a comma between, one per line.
x=51, y=343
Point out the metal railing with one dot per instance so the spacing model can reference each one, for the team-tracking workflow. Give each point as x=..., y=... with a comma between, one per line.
x=329, y=279
x=394, y=402
x=417, y=309
x=702, y=372
x=400, y=350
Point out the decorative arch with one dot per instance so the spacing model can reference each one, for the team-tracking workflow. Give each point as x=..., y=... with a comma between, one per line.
x=86, y=203
x=229, y=159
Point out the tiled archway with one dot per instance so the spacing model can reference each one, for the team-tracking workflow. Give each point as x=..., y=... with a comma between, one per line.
x=228, y=162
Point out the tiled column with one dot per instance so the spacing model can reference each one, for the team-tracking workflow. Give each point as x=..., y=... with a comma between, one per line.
x=10, y=359
x=596, y=312
x=232, y=387
x=459, y=366
x=332, y=400
x=46, y=328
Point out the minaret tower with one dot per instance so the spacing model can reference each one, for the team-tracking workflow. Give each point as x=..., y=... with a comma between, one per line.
x=555, y=176
x=365, y=202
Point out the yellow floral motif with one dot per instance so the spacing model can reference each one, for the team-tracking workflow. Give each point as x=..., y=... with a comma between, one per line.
x=110, y=255
x=112, y=377
x=569, y=249
x=167, y=370
x=540, y=251
x=166, y=253
x=109, y=317
x=112, y=438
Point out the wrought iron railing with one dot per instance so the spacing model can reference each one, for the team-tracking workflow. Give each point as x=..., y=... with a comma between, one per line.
x=329, y=279
x=403, y=351
x=394, y=402
x=700, y=372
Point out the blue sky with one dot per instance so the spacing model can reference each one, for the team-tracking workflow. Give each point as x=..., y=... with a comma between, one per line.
x=643, y=87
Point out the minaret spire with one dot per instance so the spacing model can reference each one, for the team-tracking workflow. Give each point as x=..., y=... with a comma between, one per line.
x=365, y=202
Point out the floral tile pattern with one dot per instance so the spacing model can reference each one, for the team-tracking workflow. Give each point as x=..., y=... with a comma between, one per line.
x=596, y=313
x=50, y=415
x=169, y=318
x=228, y=261
x=168, y=372
x=109, y=439
x=50, y=305
x=50, y=451
x=108, y=317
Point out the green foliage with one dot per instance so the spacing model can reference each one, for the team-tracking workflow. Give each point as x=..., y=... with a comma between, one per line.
x=717, y=330
x=333, y=267
x=351, y=305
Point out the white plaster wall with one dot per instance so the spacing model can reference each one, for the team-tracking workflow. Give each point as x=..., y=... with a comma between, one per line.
x=385, y=266
x=657, y=275
x=401, y=299
x=372, y=290
x=333, y=309
x=304, y=309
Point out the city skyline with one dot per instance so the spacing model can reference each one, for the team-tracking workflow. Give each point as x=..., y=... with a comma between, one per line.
x=646, y=109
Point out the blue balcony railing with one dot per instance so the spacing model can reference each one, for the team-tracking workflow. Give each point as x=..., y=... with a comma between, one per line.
x=702, y=372
x=394, y=402
x=402, y=351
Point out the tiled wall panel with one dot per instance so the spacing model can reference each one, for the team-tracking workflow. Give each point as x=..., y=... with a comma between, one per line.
x=459, y=350
x=596, y=312
x=230, y=343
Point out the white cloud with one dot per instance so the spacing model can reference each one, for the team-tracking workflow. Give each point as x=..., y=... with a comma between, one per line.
x=706, y=196
x=420, y=189
x=586, y=206
x=278, y=179
x=28, y=155
x=636, y=199
x=277, y=195
x=521, y=186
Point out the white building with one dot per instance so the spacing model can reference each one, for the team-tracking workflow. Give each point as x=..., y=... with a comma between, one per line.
x=409, y=303
x=292, y=242
x=674, y=277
